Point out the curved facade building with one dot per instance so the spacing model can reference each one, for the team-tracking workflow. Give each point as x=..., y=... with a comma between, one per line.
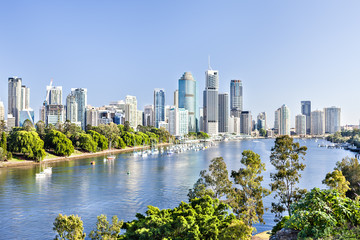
x=187, y=98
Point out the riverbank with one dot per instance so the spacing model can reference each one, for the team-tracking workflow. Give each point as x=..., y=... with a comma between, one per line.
x=24, y=163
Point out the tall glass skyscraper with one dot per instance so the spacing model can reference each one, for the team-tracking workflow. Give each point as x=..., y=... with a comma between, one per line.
x=210, y=102
x=223, y=112
x=14, y=98
x=159, y=106
x=81, y=100
x=332, y=119
x=306, y=110
x=187, y=99
x=236, y=98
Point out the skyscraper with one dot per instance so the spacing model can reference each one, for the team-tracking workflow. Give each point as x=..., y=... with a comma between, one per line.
x=306, y=110
x=2, y=111
x=277, y=121
x=80, y=95
x=148, y=115
x=187, y=99
x=236, y=97
x=25, y=98
x=245, y=122
x=14, y=98
x=332, y=119
x=261, y=121
x=159, y=106
x=223, y=112
x=131, y=111
x=55, y=95
x=284, y=120
x=300, y=125
x=71, y=108
x=317, y=123
x=210, y=102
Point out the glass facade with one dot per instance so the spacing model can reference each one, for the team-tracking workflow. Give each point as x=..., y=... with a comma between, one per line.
x=159, y=106
x=236, y=97
x=187, y=99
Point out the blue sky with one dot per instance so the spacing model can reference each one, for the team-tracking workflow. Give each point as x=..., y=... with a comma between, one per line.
x=283, y=51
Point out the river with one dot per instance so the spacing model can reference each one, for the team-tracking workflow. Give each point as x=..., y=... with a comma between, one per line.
x=28, y=206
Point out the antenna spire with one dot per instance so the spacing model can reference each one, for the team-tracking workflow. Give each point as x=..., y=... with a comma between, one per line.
x=209, y=63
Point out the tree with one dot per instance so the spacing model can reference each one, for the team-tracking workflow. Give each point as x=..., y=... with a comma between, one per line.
x=129, y=139
x=70, y=129
x=202, y=135
x=27, y=143
x=217, y=180
x=101, y=140
x=110, y=131
x=59, y=143
x=84, y=142
x=3, y=142
x=286, y=157
x=2, y=126
x=69, y=227
x=40, y=129
x=202, y=218
x=350, y=168
x=105, y=230
x=262, y=132
x=247, y=200
x=119, y=143
x=28, y=125
x=336, y=180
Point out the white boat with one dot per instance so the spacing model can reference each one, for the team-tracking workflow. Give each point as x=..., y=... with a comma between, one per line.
x=40, y=175
x=111, y=157
x=47, y=170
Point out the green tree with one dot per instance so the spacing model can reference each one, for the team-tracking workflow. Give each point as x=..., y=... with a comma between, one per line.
x=40, y=129
x=216, y=180
x=119, y=143
x=28, y=125
x=58, y=143
x=202, y=135
x=27, y=143
x=106, y=231
x=286, y=157
x=69, y=227
x=247, y=200
x=129, y=139
x=202, y=218
x=110, y=131
x=70, y=129
x=84, y=142
x=336, y=180
x=101, y=140
x=350, y=168
x=3, y=142
x=262, y=132
x=2, y=126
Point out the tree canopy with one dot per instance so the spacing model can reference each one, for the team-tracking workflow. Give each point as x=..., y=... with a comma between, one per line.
x=58, y=143
x=27, y=143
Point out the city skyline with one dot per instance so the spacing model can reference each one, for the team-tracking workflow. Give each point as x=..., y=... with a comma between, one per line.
x=270, y=66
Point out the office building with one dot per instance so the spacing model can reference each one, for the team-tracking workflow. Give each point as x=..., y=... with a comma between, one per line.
x=201, y=120
x=306, y=110
x=187, y=99
x=284, y=120
x=14, y=98
x=317, y=123
x=139, y=116
x=55, y=95
x=236, y=98
x=25, y=98
x=178, y=121
x=159, y=106
x=80, y=95
x=131, y=111
x=55, y=114
x=332, y=120
x=261, y=121
x=245, y=122
x=71, y=109
x=2, y=111
x=92, y=116
x=223, y=112
x=148, y=119
x=277, y=121
x=211, y=103
x=300, y=125
x=176, y=98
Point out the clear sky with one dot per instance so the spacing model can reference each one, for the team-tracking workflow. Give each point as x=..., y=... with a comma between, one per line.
x=283, y=51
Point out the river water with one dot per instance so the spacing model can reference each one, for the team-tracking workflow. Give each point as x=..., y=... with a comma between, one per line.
x=28, y=206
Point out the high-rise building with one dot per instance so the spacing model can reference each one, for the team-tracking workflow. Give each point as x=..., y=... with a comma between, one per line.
x=261, y=121
x=201, y=119
x=187, y=99
x=300, y=125
x=317, y=123
x=277, y=121
x=148, y=119
x=332, y=119
x=92, y=116
x=306, y=110
x=176, y=98
x=81, y=100
x=25, y=98
x=236, y=98
x=54, y=114
x=223, y=112
x=159, y=106
x=139, y=116
x=284, y=120
x=245, y=122
x=2, y=111
x=71, y=109
x=131, y=111
x=55, y=95
x=211, y=103
x=14, y=98
x=234, y=125
x=178, y=121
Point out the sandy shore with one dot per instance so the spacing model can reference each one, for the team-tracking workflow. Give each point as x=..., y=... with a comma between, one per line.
x=74, y=157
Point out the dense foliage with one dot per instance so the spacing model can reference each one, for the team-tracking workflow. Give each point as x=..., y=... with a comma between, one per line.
x=101, y=140
x=197, y=135
x=84, y=142
x=350, y=168
x=286, y=157
x=26, y=143
x=336, y=180
x=105, y=230
x=58, y=143
x=69, y=227
x=325, y=214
